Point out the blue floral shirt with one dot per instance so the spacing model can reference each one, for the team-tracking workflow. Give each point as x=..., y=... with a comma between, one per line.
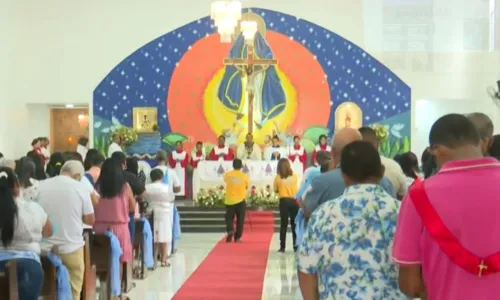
x=348, y=243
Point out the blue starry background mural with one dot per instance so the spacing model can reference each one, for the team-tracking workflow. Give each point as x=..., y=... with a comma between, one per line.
x=181, y=74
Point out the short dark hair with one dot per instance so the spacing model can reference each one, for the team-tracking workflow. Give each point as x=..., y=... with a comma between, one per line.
x=275, y=137
x=33, y=143
x=119, y=157
x=1, y=155
x=156, y=174
x=322, y=137
x=360, y=161
x=237, y=164
x=199, y=143
x=453, y=131
x=284, y=169
x=408, y=162
x=367, y=132
x=494, y=150
x=73, y=155
x=92, y=159
x=324, y=158
x=83, y=141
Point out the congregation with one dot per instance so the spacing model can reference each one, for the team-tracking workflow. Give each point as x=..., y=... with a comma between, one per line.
x=364, y=226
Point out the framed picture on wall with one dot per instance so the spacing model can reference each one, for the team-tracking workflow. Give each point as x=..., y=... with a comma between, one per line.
x=145, y=119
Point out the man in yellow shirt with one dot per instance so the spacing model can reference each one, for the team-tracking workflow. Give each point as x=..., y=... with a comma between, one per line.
x=236, y=191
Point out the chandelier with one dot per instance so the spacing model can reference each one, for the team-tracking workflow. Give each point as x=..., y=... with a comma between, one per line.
x=226, y=15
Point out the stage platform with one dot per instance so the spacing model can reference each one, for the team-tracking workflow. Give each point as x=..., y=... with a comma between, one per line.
x=197, y=219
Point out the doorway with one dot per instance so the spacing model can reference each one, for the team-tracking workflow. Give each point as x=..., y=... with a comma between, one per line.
x=67, y=125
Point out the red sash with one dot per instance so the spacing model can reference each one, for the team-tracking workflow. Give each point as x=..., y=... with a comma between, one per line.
x=449, y=244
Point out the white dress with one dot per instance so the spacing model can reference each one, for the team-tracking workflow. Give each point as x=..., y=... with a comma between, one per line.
x=157, y=195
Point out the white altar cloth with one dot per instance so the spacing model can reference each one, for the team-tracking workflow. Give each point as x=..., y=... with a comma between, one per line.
x=262, y=173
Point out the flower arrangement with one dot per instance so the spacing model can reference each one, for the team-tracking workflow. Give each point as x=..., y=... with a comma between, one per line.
x=262, y=198
x=213, y=197
x=382, y=131
x=257, y=198
x=128, y=135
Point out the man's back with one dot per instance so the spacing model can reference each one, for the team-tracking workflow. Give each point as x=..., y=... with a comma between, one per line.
x=330, y=185
x=236, y=186
x=465, y=196
x=65, y=201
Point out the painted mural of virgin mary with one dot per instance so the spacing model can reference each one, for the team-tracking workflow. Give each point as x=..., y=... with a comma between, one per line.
x=272, y=90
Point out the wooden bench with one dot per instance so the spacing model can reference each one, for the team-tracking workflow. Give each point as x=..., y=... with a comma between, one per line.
x=8, y=282
x=100, y=257
x=140, y=271
x=90, y=277
x=49, y=287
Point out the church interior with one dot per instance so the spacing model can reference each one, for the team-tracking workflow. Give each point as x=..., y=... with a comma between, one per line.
x=178, y=76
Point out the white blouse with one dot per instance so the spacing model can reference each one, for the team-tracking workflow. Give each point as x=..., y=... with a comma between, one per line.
x=31, y=192
x=28, y=228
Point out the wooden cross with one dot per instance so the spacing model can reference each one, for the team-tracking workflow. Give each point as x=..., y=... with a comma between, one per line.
x=481, y=268
x=246, y=66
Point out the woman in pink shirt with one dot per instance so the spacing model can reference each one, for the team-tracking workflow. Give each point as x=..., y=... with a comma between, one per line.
x=116, y=202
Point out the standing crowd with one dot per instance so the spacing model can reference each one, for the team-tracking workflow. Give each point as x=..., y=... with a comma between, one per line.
x=46, y=202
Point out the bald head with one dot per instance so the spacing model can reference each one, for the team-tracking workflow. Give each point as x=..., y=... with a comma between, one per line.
x=342, y=138
x=484, y=127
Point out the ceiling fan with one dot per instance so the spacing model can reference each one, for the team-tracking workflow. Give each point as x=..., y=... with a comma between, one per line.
x=494, y=93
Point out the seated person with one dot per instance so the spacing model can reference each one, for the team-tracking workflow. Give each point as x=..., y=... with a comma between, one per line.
x=68, y=205
x=23, y=225
x=157, y=195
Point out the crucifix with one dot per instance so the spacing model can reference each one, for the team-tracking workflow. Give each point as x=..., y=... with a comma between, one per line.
x=481, y=268
x=247, y=67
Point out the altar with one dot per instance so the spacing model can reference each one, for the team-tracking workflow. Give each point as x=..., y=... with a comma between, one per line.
x=210, y=174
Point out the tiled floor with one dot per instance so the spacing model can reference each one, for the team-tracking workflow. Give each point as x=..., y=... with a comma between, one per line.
x=280, y=280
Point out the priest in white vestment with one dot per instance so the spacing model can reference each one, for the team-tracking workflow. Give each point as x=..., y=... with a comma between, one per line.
x=249, y=150
x=275, y=151
x=178, y=161
x=115, y=146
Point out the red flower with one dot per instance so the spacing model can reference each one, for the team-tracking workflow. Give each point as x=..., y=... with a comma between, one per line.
x=268, y=187
x=221, y=187
x=253, y=192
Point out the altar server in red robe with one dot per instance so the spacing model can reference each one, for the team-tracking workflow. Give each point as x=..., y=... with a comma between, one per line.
x=221, y=151
x=297, y=152
x=322, y=146
x=178, y=161
x=197, y=155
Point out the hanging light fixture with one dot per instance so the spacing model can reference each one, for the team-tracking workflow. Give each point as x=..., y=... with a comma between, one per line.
x=248, y=30
x=226, y=15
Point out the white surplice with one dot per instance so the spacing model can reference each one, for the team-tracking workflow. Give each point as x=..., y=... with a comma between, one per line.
x=180, y=171
x=268, y=155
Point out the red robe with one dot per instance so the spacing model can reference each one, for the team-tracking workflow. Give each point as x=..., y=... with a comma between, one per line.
x=228, y=156
x=316, y=150
x=194, y=163
x=184, y=164
x=302, y=158
x=39, y=152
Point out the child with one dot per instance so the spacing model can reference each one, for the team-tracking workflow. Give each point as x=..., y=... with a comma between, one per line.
x=157, y=195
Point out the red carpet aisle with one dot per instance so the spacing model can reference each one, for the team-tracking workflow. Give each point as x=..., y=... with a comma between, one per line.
x=231, y=270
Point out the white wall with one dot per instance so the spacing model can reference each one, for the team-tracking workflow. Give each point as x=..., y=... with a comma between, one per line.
x=62, y=49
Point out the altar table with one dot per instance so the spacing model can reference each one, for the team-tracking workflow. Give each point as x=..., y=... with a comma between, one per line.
x=209, y=174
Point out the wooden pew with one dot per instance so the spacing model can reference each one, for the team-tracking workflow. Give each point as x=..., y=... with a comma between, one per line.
x=100, y=257
x=49, y=287
x=8, y=282
x=140, y=271
x=127, y=276
x=90, y=277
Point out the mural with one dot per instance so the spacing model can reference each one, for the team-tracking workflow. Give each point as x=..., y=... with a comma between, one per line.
x=316, y=82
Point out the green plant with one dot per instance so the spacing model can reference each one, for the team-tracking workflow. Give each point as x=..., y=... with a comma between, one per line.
x=128, y=135
x=101, y=143
x=262, y=198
